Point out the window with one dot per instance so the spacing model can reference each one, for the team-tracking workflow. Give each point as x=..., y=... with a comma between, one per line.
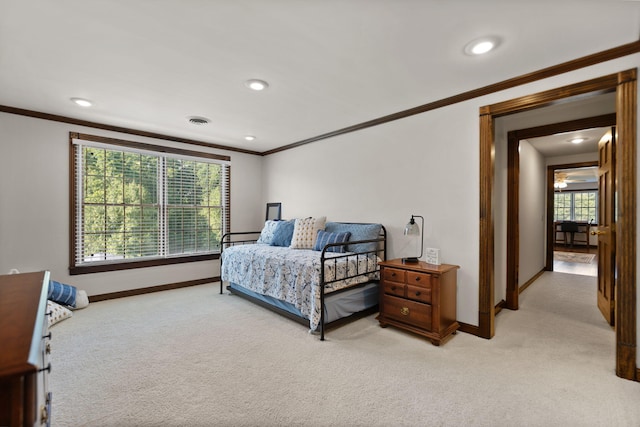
x=581, y=206
x=137, y=205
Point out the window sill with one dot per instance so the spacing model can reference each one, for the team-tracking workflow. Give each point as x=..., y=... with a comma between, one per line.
x=102, y=268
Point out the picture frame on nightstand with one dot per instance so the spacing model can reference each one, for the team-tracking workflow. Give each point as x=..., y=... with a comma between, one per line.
x=432, y=256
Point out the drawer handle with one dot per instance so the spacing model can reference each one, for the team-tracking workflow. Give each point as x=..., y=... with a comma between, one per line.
x=418, y=293
x=404, y=311
x=393, y=274
x=417, y=278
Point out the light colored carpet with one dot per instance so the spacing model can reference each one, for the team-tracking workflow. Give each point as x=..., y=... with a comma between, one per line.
x=192, y=357
x=573, y=257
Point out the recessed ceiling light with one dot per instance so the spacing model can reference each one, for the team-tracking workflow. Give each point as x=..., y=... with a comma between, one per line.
x=250, y=138
x=482, y=45
x=82, y=102
x=577, y=140
x=255, y=84
x=198, y=121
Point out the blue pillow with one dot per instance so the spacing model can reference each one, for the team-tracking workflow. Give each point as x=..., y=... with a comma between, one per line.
x=61, y=293
x=325, y=238
x=283, y=233
x=358, y=232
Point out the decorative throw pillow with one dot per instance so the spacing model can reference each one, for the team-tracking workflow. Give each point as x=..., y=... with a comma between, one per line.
x=61, y=293
x=358, y=232
x=325, y=238
x=58, y=313
x=82, y=300
x=305, y=232
x=283, y=233
x=266, y=236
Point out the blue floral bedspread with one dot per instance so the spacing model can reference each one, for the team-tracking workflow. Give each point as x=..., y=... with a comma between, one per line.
x=293, y=275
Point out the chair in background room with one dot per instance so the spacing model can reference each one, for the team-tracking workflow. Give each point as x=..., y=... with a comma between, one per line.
x=570, y=228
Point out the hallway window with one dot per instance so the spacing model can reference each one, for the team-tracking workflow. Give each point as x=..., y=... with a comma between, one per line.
x=581, y=206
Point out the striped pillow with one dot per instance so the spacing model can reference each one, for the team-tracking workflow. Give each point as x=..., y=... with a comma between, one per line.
x=325, y=238
x=62, y=294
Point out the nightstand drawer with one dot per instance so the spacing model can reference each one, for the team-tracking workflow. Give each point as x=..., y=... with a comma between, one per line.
x=394, y=288
x=419, y=294
x=419, y=279
x=393, y=274
x=410, y=312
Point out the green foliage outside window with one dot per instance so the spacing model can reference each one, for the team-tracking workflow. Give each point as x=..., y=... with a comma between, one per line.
x=581, y=206
x=137, y=205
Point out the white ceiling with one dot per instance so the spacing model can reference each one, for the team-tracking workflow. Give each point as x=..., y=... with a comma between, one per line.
x=149, y=64
x=561, y=145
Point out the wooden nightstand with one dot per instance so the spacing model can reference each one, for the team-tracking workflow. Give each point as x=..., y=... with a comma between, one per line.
x=419, y=297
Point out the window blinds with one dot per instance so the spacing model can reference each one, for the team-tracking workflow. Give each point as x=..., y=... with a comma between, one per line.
x=134, y=204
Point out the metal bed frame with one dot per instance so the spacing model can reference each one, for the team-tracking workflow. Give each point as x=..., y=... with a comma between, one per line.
x=229, y=239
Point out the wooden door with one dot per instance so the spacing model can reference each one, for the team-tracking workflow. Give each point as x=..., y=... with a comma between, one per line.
x=606, y=226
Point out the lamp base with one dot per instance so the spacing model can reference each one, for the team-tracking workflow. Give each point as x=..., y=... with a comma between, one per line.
x=410, y=260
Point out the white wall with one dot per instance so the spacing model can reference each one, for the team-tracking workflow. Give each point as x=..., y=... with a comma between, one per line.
x=532, y=210
x=34, y=206
x=419, y=165
x=426, y=164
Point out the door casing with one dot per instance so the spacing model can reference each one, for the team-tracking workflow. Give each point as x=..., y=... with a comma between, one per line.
x=513, y=194
x=625, y=86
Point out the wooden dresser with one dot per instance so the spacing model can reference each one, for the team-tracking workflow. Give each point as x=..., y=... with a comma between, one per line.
x=25, y=399
x=419, y=297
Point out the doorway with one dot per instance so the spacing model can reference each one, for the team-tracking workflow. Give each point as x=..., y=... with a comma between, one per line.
x=574, y=204
x=539, y=140
x=625, y=86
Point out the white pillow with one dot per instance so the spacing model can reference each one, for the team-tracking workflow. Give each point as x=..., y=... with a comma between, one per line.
x=58, y=313
x=82, y=300
x=266, y=236
x=305, y=232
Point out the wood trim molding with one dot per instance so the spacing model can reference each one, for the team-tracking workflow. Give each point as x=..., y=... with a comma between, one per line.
x=513, y=220
x=469, y=329
x=625, y=86
x=151, y=289
x=120, y=129
x=551, y=172
x=626, y=183
x=144, y=146
x=530, y=281
x=116, y=266
x=513, y=192
x=486, y=307
x=565, y=67
x=499, y=306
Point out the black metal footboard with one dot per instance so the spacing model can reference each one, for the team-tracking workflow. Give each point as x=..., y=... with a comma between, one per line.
x=366, y=271
x=234, y=238
x=327, y=262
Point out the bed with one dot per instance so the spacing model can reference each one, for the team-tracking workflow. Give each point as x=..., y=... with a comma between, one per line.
x=328, y=280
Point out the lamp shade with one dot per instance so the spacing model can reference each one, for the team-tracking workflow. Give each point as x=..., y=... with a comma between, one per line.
x=412, y=229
